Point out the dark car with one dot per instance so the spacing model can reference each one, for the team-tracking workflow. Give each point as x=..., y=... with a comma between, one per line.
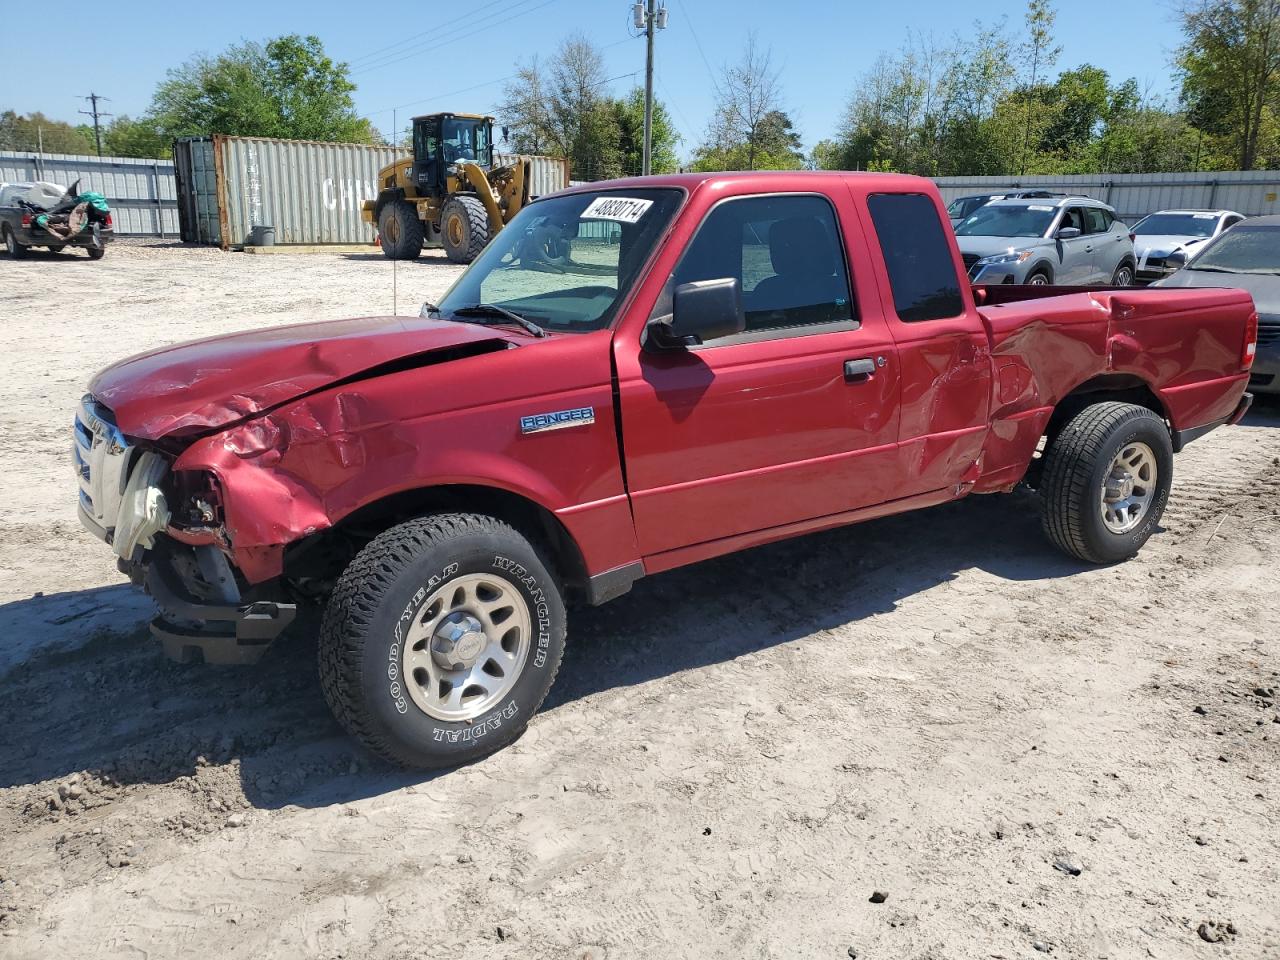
x=21, y=206
x=1248, y=257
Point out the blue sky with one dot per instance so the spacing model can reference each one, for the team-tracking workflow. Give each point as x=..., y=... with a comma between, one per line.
x=820, y=47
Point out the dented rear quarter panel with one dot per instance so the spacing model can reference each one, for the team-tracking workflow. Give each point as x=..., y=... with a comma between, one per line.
x=312, y=462
x=1186, y=350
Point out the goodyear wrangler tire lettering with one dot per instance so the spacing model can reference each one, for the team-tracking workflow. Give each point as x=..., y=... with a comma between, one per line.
x=387, y=616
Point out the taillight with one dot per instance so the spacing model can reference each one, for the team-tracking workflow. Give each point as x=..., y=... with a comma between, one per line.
x=26, y=219
x=108, y=221
x=1250, y=342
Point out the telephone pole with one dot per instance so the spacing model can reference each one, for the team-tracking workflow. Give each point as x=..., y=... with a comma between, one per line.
x=651, y=18
x=93, y=98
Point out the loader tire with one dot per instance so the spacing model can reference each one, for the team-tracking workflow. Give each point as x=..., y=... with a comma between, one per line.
x=464, y=228
x=441, y=640
x=1106, y=481
x=400, y=231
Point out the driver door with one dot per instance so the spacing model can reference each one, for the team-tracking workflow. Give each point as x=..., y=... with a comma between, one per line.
x=793, y=419
x=1076, y=254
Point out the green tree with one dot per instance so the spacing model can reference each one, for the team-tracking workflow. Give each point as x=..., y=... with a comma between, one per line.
x=1230, y=59
x=629, y=114
x=287, y=88
x=749, y=128
x=126, y=137
x=37, y=132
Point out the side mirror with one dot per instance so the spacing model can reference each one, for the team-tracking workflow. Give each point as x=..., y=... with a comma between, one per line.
x=700, y=311
x=1067, y=233
x=1176, y=260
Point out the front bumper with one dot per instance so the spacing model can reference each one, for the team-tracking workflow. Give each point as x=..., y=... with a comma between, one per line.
x=226, y=632
x=1264, y=377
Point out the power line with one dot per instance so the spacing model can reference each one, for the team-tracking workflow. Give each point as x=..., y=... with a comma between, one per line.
x=479, y=26
x=374, y=54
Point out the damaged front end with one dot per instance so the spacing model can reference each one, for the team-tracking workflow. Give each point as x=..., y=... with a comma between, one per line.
x=175, y=552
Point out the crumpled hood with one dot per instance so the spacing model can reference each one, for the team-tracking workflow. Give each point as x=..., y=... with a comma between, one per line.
x=204, y=385
x=1161, y=245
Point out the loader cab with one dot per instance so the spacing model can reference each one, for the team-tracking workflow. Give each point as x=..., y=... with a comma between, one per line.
x=442, y=139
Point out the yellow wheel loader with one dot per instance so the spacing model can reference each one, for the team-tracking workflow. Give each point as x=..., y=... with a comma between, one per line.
x=448, y=193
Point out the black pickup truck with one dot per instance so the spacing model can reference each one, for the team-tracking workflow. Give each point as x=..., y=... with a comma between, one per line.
x=23, y=204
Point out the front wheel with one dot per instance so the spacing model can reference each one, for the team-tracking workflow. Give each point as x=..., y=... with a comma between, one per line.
x=96, y=253
x=441, y=640
x=1106, y=481
x=464, y=228
x=1038, y=279
x=400, y=231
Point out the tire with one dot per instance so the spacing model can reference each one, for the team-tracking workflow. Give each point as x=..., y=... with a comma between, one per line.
x=1089, y=510
x=16, y=250
x=400, y=231
x=398, y=600
x=1123, y=277
x=464, y=228
x=1039, y=279
x=96, y=253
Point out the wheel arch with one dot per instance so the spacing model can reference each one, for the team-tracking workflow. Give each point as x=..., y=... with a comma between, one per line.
x=1120, y=387
x=1041, y=266
x=528, y=517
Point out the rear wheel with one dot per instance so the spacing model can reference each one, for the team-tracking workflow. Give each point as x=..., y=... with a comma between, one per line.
x=464, y=228
x=1123, y=277
x=16, y=250
x=441, y=640
x=400, y=231
x=1106, y=481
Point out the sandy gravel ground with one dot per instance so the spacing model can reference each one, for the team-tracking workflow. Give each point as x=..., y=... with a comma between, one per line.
x=1028, y=757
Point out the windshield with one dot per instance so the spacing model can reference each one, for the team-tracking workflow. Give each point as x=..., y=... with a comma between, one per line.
x=1177, y=225
x=1242, y=250
x=465, y=140
x=1008, y=221
x=567, y=262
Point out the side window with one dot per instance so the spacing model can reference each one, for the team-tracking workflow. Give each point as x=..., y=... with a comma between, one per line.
x=1074, y=217
x=1230, y=222
x=1097, y=220
x=917, y=255
x=786, y=254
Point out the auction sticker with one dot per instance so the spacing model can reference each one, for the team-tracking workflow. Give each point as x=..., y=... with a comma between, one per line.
x=621, y=209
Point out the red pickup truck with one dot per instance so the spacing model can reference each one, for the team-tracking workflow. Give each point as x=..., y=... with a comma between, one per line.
x=632, y=376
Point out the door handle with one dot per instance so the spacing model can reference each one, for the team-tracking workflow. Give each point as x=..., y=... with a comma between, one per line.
x=860, y=370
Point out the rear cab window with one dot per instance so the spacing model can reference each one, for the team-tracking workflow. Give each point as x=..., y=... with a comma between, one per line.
x=917, y=256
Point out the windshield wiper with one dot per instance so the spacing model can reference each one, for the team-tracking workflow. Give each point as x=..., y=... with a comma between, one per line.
x=495, y=311
x=1213, y=269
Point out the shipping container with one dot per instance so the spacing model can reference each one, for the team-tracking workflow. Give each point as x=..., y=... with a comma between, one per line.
x=140, y=192
x=309, y=192
x=1134, y=195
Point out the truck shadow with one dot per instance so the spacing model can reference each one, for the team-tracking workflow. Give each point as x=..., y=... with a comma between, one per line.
x=117, y=712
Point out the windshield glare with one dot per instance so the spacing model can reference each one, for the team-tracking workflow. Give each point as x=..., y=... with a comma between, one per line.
x=1242, y=250
x=1177, y=225
x=1010, y=221
x=567, y=262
